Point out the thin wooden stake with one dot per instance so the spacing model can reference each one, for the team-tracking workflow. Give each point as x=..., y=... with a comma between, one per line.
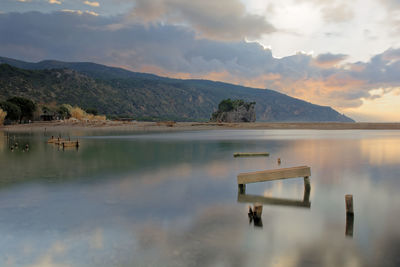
x=349, y=204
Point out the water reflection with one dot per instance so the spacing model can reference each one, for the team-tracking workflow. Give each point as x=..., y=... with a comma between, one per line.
x=242, y=197
x=349, y=224
x=172, y=200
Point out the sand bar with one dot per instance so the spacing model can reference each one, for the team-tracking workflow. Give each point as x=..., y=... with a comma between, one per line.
x=60, y=126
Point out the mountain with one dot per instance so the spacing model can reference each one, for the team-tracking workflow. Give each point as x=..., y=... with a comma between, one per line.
x=115, y=91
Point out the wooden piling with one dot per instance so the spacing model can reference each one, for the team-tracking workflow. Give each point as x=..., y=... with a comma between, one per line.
x=349, y=204
x=307, y=184
x=242, y=188
x=257, y=211
x=349, y=215
x=349, y=224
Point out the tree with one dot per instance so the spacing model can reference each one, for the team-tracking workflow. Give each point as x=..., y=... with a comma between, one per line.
x=64, y=111
x=225, y=105
x=27, y=107
x=3, y=115
x=46, y=109
x=92, y=111
x=13, y=111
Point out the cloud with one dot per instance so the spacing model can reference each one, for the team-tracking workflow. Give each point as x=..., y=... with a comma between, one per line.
x=337, y=14
x=329, y=60
x=55, y=2
x=79, y=12
x=176, y=51
x=220, y=20
x=334, y=11
x=92, y=4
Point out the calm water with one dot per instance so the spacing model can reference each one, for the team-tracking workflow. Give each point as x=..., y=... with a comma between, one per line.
x=172, y=200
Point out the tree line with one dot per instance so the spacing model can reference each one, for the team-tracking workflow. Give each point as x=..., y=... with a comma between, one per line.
x=21, y=109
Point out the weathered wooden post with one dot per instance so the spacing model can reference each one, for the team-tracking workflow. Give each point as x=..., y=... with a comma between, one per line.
x=349, y=224
x=306, y=196
x=255, y=215
x=307, y=185
x=349, y=215
x=242, y=188
x=349, y=204
x=258, y=210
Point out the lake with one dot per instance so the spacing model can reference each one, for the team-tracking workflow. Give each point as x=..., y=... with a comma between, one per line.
x=171, y=199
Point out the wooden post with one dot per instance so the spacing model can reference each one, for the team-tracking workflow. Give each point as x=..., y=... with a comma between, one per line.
x=255, y=215
x=349, y=215
x=349, y=224
x=306, y=196
x=257, y=210
x=242, y=188
x=307, y=185
x=349, y=204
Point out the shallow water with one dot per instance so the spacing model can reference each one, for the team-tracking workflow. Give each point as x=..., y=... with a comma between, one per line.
x=171, y=199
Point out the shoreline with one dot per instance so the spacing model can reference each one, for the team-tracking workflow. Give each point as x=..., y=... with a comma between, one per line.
x=192, y=126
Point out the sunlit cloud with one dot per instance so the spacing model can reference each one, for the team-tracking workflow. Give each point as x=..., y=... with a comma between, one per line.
x=80, y=12
x=55, y=2
x=91, y=13
x=92, y=4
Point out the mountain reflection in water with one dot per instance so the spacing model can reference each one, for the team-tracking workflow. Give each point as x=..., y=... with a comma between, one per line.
x=171, y=200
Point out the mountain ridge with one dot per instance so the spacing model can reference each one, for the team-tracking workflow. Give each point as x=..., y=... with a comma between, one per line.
x=116, y=91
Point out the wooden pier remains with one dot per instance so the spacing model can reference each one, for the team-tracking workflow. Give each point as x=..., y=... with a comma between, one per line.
x=250, y=154
x=65, y=144
x=305, y=203
x=277, y=174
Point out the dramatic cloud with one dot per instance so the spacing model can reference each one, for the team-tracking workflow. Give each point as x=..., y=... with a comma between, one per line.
x=220, y=20
x=176, y=52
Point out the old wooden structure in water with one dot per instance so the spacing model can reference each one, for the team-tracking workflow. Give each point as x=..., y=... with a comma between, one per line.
x=276, y=174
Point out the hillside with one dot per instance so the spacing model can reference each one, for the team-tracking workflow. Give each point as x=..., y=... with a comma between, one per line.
x=115, y=91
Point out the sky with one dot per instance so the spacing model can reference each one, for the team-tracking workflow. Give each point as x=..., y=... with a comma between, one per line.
x=338, y=53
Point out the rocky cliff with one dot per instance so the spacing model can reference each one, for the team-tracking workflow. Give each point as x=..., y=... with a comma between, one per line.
x=235, y=111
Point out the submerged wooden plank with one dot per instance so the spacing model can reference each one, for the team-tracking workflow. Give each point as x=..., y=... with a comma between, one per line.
x=277, y=174
x=244, y=198
x=251, y=154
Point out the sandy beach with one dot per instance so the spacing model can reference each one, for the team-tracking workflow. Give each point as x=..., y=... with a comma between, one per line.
x=189, y=126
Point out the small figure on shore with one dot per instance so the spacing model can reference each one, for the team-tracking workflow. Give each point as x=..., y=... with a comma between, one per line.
x=279, y=161
x=27, y=147
x=12, y=148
